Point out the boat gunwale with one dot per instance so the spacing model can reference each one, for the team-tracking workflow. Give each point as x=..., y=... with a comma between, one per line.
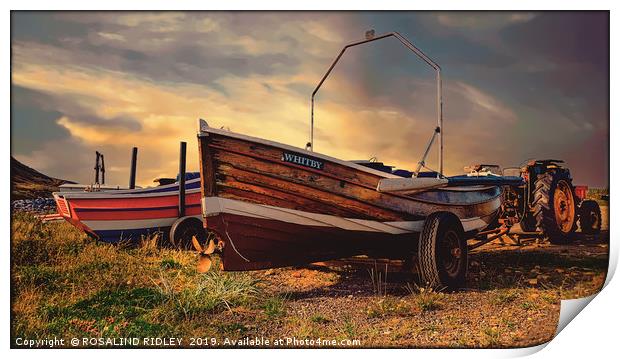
x=205, y=131
x=106, y=195
x=457, y=189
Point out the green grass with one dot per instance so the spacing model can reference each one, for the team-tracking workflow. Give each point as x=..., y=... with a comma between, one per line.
x=233, y=328
x=108, y=313
x=527, y=305
x=426, y=299
x=388, y=306
x=492, y=336
x=319, y=319
x=509, y=324
x=505, y=296
x=204, y=294
x=169, y=263
x=64, y=285
x=349, y=329
x=429, y=302
x=275, y=307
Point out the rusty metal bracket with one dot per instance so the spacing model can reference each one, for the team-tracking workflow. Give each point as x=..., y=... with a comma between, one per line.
x=498, y=233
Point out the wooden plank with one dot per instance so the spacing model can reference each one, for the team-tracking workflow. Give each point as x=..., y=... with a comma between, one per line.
x=259, y=151
x=50, y=217
x=325, y=200
x=231, y=188
x=207, y=170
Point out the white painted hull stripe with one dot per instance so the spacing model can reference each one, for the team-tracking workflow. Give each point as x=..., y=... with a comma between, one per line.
x=125, y=196
x=217, y=205
x=98, y=225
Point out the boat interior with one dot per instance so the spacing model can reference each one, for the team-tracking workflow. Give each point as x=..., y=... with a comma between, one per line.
x=459, y=180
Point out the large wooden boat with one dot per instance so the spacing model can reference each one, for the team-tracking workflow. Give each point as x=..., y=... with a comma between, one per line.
x=271, y=204
x=277, y=205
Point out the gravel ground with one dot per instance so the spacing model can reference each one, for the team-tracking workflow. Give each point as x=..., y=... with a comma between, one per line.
x=512, y=300
x=38, y=205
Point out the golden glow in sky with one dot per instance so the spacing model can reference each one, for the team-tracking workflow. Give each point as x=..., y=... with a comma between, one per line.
x=110, y=81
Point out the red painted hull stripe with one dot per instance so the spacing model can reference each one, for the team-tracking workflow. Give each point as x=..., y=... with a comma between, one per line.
x=131, y=202
x=105, y=209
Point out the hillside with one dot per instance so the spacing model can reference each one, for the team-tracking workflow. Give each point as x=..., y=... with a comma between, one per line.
x=27, y=182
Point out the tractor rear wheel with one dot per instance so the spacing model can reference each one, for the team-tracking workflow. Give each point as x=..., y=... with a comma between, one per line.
x=554, y=206
x=442, y=252
x=590, y=217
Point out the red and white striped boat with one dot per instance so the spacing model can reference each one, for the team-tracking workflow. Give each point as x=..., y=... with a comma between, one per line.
x=128, y=215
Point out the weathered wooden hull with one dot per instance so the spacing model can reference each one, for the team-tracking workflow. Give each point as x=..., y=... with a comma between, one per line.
x=276, y=205
x=259, y=236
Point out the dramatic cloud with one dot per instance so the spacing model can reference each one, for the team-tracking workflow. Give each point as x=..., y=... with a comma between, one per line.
x=516, y=85
x=478, y=21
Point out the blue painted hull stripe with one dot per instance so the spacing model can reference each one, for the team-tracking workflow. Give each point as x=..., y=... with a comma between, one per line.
x=112, y=236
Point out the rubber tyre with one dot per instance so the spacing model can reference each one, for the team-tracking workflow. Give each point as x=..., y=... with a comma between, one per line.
x=184, y=229
x=590, y=217
x=544, y=211
x=442, y=232
x=528, y=224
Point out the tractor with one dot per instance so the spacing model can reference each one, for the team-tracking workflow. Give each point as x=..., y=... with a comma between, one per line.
x=548, y=203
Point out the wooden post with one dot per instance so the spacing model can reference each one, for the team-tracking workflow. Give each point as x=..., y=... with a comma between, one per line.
x=97, y=167
x=102, y=169
x=182, y=179
x=132, y=173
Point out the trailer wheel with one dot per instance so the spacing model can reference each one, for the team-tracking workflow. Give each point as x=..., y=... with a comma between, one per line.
x=590, y=217
x=184, y=229
x=554, y=206
x=442, y=252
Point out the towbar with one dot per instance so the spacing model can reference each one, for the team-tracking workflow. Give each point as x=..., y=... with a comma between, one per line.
x=370, y=38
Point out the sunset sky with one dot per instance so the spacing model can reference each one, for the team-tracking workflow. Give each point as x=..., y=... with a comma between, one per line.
x=517, y=85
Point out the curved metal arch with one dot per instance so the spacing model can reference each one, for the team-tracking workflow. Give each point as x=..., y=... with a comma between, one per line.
x=438, y=131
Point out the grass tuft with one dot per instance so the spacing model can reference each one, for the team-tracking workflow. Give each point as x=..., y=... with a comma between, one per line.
x=505, y=296
x=319, y=319
x=275, y=306
x=426, y=299
x=208, y=293
x=492, y=336
x=388, y=306
x=169, y=263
